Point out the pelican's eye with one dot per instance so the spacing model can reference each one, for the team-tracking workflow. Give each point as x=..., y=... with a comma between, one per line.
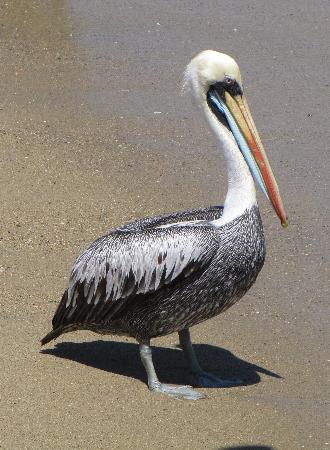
x=231, y=85
x=229, y=80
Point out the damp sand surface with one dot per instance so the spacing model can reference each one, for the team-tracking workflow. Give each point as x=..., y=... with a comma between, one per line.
x=94, y=132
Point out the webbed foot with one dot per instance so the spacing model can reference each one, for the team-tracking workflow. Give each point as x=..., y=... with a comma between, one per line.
x=180, y=392
x=201, y=378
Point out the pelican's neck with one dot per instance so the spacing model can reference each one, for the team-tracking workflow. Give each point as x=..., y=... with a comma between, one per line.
x=241, y=194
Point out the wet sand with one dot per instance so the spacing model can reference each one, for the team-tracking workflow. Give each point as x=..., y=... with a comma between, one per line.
x=93, y=132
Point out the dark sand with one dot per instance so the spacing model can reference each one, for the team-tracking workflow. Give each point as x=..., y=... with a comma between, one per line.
x=83, y=149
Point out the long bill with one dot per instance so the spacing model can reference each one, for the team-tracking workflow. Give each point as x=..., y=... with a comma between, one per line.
x=237, y=113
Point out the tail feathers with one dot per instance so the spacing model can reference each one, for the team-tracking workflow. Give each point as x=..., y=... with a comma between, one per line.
x=51, y=335
x=58, y=331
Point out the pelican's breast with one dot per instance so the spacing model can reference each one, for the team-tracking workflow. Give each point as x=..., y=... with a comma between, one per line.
x=239, y=259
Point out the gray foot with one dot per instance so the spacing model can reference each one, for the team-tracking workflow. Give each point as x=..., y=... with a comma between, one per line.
x=180, y=392
x=208, y=380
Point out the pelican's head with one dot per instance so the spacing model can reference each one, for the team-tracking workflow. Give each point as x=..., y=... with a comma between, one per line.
x=215, y=80
x=208, y=68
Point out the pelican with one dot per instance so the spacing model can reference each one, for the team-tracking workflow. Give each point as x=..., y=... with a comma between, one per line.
x=160, y=275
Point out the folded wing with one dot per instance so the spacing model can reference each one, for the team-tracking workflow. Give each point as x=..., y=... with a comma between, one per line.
x=123, y=264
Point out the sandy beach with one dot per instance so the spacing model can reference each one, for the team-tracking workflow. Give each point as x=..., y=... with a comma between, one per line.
x=94, y=132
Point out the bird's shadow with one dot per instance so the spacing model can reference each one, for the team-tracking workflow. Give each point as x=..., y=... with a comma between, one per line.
x=123, y=358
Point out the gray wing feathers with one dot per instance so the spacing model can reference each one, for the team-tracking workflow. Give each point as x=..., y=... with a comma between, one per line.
x=207, y=214
x=123, y=264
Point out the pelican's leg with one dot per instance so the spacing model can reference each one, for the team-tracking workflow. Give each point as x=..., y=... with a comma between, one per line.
x=201, y=378
x=184, y=392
